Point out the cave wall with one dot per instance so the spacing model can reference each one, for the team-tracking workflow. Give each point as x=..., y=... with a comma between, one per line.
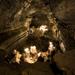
x=7, y=11
x=64, y=11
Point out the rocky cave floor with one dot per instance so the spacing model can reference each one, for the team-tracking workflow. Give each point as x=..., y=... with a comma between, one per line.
x=65, y=62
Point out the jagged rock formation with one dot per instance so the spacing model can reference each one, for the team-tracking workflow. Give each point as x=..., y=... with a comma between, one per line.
x=17, y=16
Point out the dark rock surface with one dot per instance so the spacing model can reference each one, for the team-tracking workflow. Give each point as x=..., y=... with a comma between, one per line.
x=13, y=14
x=64, y=11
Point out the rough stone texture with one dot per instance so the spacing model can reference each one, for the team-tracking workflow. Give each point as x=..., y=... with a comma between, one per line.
x=7, y=11
x=64, y=11
x=12, y=28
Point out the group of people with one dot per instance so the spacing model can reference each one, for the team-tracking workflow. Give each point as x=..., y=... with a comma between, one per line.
x=31, y=54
